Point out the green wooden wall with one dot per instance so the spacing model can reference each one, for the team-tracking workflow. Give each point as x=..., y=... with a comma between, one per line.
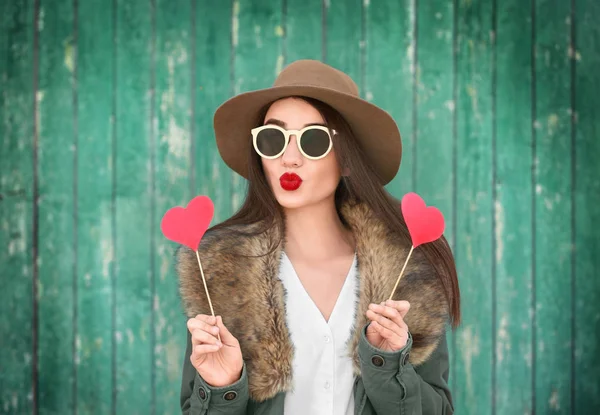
x=106, y=122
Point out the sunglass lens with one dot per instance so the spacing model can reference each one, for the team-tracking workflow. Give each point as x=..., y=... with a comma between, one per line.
x=315, y=142
x=270, y=142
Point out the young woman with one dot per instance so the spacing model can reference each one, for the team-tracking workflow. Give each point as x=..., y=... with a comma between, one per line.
x=300, y=275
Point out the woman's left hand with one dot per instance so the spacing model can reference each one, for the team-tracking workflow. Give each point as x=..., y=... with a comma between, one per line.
x=387, y=330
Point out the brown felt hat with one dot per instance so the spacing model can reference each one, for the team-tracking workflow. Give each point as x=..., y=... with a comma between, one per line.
x=374, y=128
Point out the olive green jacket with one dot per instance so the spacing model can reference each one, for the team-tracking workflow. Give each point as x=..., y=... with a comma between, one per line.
x=246, y=291
x=389, y=385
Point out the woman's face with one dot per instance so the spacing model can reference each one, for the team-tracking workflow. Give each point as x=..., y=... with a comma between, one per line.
x=319, y=178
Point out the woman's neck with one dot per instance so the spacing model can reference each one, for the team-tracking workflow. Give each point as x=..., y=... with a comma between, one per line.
x=316, y=232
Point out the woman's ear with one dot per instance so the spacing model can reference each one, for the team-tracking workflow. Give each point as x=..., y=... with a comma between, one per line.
x=346, y=172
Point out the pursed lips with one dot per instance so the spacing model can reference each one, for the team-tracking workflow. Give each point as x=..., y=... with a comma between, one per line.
x=290, y=181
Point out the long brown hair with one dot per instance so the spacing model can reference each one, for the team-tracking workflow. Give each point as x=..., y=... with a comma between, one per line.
x=362, y=185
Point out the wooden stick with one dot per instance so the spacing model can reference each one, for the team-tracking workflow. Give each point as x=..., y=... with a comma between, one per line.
x=206, y=289
x=402, y=272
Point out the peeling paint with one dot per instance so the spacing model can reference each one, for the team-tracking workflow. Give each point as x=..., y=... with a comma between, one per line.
x=130, y=336
x=173, y=358
x=257, y=36
x=472, y=92
x=538, y=189
x=528, y=358
x=215, y=171
x=469, y=247
x=410, y=55
x=77, y=350
x=553, y=402
x=176, y=139
x=106, y=245
x=69, y=60
x=279, y=65
x=279, y=31
x=469, y=350
x=41, y=17
x=552, y=123
x=503, y=342
x=235, y=23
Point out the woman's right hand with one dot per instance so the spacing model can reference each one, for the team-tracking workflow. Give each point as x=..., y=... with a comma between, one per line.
x=218, y=362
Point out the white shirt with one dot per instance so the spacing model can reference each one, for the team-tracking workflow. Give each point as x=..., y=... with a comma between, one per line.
x=322, y=374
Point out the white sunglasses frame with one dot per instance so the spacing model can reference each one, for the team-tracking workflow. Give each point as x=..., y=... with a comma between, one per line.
x=287, y=134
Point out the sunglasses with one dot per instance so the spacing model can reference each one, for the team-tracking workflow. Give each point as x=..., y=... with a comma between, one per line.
x=270, y=141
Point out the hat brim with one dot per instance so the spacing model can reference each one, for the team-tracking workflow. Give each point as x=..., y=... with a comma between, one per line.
x=375, y=129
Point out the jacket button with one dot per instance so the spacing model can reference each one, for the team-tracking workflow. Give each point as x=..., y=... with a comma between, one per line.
x=377, y=360
x=230, y=396
x=202, y=393
x=405, y=358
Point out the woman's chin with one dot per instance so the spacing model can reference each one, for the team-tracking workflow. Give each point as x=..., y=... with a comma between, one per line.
x=300, y=197
x=291, y=199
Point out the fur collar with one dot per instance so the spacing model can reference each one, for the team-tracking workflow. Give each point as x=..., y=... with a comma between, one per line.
x=248, y=294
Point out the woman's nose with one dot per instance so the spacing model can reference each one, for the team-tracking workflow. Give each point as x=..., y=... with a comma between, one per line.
x=291, y=155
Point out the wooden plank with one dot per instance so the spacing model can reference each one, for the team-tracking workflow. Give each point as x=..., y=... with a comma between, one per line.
x=56, y=172
x=587, y=211
x=133, y=209
x=390, y=65
x=213, y=87
x=172, y=186
x=553, y=232
x=513, y=210
x=303, y=30
x=344, y=36
x=433, y=140
x=16, y=208
x=95, y=239
x=474, y=228
x=257, y=42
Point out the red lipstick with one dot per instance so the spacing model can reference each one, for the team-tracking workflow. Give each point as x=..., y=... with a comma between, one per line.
x=290, y=181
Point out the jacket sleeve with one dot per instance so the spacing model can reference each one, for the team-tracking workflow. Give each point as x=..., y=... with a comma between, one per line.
x=199, y=398
x=394, y=386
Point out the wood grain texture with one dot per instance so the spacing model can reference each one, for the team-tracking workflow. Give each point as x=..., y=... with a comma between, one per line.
x=474, y=221
x=434, y=141
x=553, y=230
x=56, y=207
x=133, y=331
x=303, y=30
x=513, y=221
x=213, y=86
x=586, y=57
x=389, y=75
x=95, y=239
x=344, y=38
x=257, y=42
x=172, y=184
x=16, y=208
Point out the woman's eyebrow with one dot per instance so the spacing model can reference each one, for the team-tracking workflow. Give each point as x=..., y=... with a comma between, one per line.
x=276, y=122
x=283, y=124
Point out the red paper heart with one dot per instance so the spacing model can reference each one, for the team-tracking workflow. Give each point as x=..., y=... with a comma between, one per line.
x=425, y=224
x=188, y=225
